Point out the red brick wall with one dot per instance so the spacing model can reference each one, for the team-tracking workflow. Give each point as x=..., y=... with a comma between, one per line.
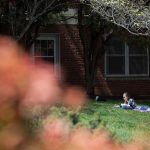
x=72, y=63
x=136, y=86
x=71, y=56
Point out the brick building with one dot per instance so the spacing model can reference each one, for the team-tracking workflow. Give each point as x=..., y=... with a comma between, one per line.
x=124, y=67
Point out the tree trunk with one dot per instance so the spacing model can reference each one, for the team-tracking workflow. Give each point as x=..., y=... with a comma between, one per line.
x=91, y=50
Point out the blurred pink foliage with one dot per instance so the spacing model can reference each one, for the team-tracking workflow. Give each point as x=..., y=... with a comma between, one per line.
x=74, y=97
x=24, y=86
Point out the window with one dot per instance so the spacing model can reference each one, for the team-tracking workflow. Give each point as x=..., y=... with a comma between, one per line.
x=124, y=59
x=46, y=48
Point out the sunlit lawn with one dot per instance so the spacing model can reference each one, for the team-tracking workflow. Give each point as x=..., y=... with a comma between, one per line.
x=122, y=124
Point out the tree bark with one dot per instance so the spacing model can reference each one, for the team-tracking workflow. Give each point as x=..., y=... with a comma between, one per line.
x=93, y=49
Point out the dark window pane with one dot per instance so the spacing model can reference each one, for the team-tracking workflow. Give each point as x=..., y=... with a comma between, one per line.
x=48, y=59
x=51, y=44
x=138, y=65
x=115, y=47
x=44, y=44
x=51, y=48
x=137, y=49
x=50, y=52
x=115, y=65
x=37, y=44
x=37, y=48
x=44, y=52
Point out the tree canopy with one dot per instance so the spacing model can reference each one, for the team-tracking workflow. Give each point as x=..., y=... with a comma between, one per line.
x=133, y=15
x=21, y=16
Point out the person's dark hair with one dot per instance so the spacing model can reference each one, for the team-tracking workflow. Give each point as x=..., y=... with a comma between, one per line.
x=127, y=94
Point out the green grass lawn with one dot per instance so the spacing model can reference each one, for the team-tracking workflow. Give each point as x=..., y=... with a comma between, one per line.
x=122, y=124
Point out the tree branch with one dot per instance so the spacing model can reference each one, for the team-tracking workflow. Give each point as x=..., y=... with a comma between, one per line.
x=130, y=15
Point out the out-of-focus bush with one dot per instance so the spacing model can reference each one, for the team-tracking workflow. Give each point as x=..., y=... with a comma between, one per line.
x=25, y=91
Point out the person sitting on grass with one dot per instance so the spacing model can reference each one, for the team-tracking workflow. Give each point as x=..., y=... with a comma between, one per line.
x=129, y=103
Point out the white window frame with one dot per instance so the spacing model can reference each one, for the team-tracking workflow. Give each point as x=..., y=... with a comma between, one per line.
x=127, y=64
x=56, y=38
